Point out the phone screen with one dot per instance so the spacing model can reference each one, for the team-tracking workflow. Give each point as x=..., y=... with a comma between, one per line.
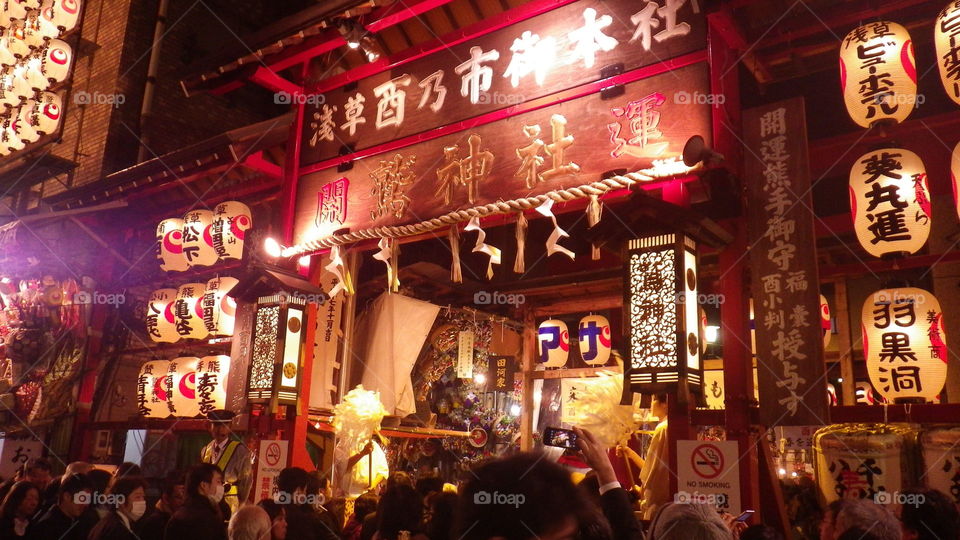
x=562, y=438
x=745, y=515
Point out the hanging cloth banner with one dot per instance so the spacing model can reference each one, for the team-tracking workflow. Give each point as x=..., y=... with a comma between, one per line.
x=453, y=235
x=337, y=268
x=493, y=252
x=545, y=210
x=594, y=213
x=389, y=252
x=520, y=264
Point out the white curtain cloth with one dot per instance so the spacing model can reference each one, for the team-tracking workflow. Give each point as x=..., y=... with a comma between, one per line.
x=395, y=329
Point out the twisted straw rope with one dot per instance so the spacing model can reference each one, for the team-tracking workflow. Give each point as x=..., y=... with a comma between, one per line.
x=499, y=207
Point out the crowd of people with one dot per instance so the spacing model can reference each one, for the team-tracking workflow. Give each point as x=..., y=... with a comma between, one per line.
x=520, y=497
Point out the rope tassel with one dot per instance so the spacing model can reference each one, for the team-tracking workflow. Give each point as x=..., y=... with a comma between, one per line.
x=520, y=263
x=453, y=235
x=594, y=213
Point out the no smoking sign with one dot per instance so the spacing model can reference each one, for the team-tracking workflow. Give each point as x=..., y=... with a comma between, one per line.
x=709, y=472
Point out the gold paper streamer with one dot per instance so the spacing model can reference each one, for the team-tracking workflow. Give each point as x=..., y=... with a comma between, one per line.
x=594, y=213
x=337, y=268
x=553, y=246
x=453, y=235
x=494, y=253
x=520, y=264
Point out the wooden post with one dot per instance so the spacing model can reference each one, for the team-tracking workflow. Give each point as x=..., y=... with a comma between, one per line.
x=844, y=342
x=529, y=353
x=348, y=321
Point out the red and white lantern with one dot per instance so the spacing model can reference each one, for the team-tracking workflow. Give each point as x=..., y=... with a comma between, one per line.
x=197, y=238
x=63, y=14
x=170, y=245
x=56, y=61
x=554, y=339
x=825, y=320
x=878, y=73
x=864, y=393
x=232, y=219
x=219, y=310
x=183, y=395
x=890, y=202
x=904, y=343
x=39, y=117
x=152, y=389
x=594, y=337
x=189, y=312
x=212, y=373
x=160, y=320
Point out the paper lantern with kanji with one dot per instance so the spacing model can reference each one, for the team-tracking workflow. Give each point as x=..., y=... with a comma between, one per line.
x=183, y=394
x=61, y=13
x=878, y=74
x=904, y=343
x=197, y=238
x=56, y=59
x=10, y=140
x=212, y=373
x=39, y=117
x=825, y=320
x=151, y=389
x=946, y=37
x=594, y=336
x=232, y=219
x=189, y=312
x=890, y=202
x=554, y=339
x=13, y=10
x=170, y=245
x=160, y=319
x=864, y=393
x=219, y=310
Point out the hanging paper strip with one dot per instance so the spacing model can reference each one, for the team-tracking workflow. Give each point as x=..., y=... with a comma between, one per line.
x=594, y=213
x=520, y=264
x=388, y=254
x=453, y=235
x=337, y=268
x=494, y=253
x=546, y=210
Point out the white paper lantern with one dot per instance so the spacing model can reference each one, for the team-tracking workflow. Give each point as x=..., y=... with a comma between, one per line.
x=14, y=9
x=554, y=339
x=878, y=73
x=33, y=74
x=946, y=37
x=10, y=137
x=19, y=44
x=864, y=394
x=183, y=395
x=593, y=334
x=151, y=389
x=212, y=374
x=170, y=245
x=61, y=13
x=188, y=311
x=160, y=319
x=231, y=221
x=39, y=117
x=197, y=239
x=219, y=310
x=34, y=31
x=8, y=95
x=831, y=394
x=18, y=83
x=56, y=60
x=825, y=320
x=6, y=54
x=890, y=202
x=904, y=343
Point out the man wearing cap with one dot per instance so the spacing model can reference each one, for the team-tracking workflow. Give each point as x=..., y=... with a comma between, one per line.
x=231, y=456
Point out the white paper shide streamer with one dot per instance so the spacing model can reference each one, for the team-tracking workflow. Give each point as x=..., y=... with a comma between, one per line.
x=546, y=210
x=481, y=247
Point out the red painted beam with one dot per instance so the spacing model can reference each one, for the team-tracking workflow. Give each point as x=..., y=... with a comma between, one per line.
x=398, y=12
x=256, y=162
x=269, y=79
x=310, y=48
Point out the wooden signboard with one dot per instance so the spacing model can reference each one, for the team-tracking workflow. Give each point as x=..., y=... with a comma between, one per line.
x=783, y=258
x=566, y=47
x=565, y=144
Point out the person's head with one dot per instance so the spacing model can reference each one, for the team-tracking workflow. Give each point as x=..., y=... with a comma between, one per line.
x=443, y=507
x=400, y=509
x=318, y=486
x=173, y=492
x=205, y=481
x=75, y=495
x=292, y=485
x=428, y=485
x=21, y=501
x=127, y=469
x=399, y=478
x=429, y=447
x=278, y=518
x=658, y=406
x=77, y=467
x=869, y=516
x=250, y=522
x=828, y=523
x=695, y=521
x=364, y=505
x=927, y=514
x=99, y=479
x=858, y=533
x=127, y=494
x=519, y=497
x=761, y=532
x=37, y=472
x=220, y=431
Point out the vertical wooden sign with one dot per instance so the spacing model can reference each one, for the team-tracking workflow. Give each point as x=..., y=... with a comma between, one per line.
x=784, y=279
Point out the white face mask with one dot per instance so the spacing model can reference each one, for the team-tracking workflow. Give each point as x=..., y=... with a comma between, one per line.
x=139, y=508
x=217, y=494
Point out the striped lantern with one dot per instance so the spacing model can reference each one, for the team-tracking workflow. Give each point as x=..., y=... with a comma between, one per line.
x=878, y=73
x=170, y=245
x=219, y=310
x=231, y=221
x=904, y=343
x=197, y=239
x=160, y=319
x=189, y=312
x=890, y=202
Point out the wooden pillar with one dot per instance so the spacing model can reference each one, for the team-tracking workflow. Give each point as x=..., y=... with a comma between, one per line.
x=529, y=353
x=298, y=422
x=844, y=342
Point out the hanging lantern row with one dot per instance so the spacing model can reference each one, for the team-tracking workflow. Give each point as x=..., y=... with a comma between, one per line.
x=32, y=59
x=593, y=335
x=185, y=386
x=194, y=311
x=203, y=237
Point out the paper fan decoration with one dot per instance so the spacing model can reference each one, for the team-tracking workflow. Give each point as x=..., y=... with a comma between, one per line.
x=599, y=410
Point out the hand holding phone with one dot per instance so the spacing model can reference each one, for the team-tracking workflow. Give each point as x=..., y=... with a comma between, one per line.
x=744, y=516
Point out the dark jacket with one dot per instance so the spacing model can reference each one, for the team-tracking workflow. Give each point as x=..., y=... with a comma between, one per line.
x=619, y=512
x=197, y=519
x=56, y=524
x=111, y=527
x=153, y=526
x=7, y=530
x=306, y=523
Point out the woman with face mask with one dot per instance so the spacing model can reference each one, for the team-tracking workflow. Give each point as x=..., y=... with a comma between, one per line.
x=200, y=517
x=126, y=498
